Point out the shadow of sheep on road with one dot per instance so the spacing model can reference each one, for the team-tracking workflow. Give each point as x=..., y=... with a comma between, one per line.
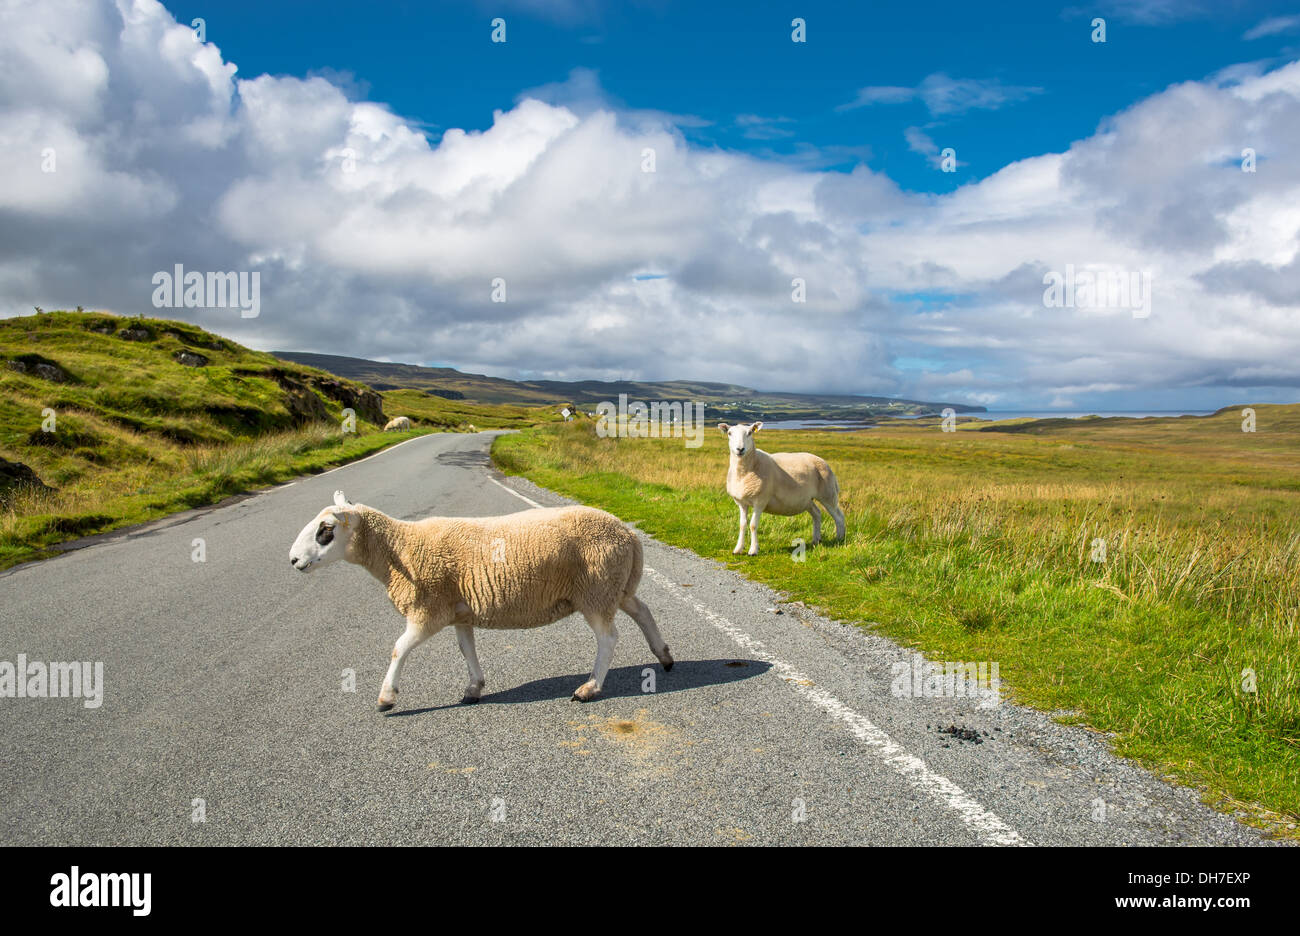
x=622, y=682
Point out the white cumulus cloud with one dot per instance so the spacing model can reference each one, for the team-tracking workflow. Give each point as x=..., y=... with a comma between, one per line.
x=374, y=240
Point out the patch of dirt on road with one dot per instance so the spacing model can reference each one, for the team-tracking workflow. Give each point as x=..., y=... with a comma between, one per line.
x=653, y=746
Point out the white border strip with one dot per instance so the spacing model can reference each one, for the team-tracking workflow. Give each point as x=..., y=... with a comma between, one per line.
x=984, y=823
x=382, y=451
x=505, y=487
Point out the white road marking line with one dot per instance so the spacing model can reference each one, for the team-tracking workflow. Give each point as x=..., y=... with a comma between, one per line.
x=505, y=487
x=384, y=451
x=986, y=824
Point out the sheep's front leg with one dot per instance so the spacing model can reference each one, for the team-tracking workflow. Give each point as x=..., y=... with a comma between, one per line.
x=753, y=529
x=606, y=638
x=412, y=637
x=740, y=537
x=465, y=638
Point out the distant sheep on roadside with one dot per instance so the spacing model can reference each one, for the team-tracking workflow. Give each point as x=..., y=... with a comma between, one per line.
x=400, y=424
x=783, y=483
x=516, y=571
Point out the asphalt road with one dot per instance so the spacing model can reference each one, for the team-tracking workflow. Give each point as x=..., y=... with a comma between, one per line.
x=223, y=682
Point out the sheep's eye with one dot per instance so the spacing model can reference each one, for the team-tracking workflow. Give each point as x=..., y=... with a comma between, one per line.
x=324, y=534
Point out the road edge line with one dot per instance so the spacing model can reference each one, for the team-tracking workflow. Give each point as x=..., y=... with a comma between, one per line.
x=988, y=825
x=505, y=487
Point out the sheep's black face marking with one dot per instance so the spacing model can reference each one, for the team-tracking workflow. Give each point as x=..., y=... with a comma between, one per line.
x=324, y=534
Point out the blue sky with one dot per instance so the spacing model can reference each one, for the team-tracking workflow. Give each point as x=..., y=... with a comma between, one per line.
x=725, y=61
x=383, y=167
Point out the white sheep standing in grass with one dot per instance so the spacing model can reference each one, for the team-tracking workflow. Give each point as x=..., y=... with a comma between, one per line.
x=783, y=483
x=398, y=424
x=520, y=570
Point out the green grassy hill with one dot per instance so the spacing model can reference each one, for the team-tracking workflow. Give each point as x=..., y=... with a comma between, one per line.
x=107, y=421
x=159, y=378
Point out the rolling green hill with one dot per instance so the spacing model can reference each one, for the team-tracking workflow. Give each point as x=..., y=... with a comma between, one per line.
x=107, y=421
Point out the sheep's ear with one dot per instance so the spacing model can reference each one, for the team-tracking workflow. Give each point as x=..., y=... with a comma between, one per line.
x=754, y=428
x=723, y=426
x=340, y=500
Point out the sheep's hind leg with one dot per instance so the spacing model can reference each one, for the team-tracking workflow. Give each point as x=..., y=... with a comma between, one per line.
x=411, y=638
x=606, y=638
x=638, y=611
x=465, y=638
x=816, y=513
x=833, y=508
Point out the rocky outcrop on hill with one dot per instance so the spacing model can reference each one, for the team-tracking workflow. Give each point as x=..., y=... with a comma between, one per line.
x=15, y=476
x=306, y=406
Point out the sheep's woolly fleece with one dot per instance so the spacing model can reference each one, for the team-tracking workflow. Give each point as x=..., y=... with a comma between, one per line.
x=518, y=571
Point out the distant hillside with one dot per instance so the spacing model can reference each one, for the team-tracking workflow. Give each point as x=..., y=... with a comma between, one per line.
x=441, y=381
x=729, y=400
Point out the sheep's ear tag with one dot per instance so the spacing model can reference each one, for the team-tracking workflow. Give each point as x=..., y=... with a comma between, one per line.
x=340, y=500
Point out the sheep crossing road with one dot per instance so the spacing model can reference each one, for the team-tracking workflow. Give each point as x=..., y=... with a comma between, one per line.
x=224, y=700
